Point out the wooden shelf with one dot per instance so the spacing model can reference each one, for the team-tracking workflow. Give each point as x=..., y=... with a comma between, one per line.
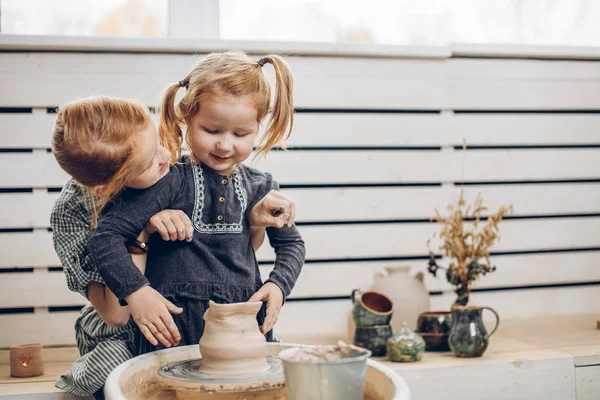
x=537, y=356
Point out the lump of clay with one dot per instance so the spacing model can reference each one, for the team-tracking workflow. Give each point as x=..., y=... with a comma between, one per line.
x=320, y=353
x=232, y=343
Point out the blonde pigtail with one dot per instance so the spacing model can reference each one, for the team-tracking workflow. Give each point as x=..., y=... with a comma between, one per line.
x=169, y=130
x=281, y=120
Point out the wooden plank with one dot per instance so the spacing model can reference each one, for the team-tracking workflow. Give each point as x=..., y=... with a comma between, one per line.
x=44, y=289
x=28, y=249
x=523, y=129
x=339, y=279
x=27, y=210
x=347, y=241
x=30, y=130
x=348, y=129
x=50, y=329
x=37, y=289
x=588, y=382
x=55, y=78
x=32, y=210
x=35, y=390
x=26, y=130
x=552, y=379
x=522, y=84
x=394, y=203
x=524, y=51
x=358, y=167
x=190, y=45
x=323, y=167
x=393, y=240
x=445, y=129
x=42, y=170
x=504, y=69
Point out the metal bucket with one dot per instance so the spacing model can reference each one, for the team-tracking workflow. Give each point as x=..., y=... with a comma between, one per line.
x=342, y=379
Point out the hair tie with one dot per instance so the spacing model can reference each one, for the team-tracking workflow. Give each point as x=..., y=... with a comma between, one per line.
x=262, y=62
x=182, y=83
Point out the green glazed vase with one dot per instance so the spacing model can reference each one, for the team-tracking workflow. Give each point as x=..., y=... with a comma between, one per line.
x=468, y=336
x=373, y=338
x=405, y=346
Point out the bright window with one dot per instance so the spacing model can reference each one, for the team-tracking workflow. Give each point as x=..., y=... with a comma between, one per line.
x=413, y=22
x=133, y=18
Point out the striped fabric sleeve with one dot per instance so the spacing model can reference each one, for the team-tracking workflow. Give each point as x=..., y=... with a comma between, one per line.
x=71, y=229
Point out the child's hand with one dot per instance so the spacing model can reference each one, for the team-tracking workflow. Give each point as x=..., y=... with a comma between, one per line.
x=151, y=312
x=275, y=209
x=171, y=225
x=271, y=294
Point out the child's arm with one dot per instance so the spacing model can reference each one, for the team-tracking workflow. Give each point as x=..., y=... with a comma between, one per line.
x=124, y=218
x=273, y=210
x=171, y=225
x=289, y=250
x=106, y=303
x=70, y=222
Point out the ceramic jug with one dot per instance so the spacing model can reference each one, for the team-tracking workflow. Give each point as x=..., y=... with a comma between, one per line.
x=407, y=292
x=468, y=336
x=233, y=327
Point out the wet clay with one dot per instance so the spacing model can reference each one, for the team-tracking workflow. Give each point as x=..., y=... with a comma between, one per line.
x=232, y=344
x=319, y=353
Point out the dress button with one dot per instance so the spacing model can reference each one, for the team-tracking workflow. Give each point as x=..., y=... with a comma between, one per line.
x=222, y=199
x=224, y=181
x=220, y=218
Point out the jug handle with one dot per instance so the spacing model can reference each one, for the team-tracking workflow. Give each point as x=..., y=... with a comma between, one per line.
x=497, y=319
x=353, y=295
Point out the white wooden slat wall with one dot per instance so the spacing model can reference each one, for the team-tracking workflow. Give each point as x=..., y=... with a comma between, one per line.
x=377, y=146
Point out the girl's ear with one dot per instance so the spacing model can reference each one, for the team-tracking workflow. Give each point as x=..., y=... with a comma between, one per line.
x=98, y=190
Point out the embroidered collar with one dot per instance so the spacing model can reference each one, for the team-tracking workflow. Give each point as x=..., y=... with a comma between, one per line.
x=242, y=197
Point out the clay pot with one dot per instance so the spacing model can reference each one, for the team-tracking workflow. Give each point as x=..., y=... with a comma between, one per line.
x=371, y=308
x=232, y=343
x=434, y=322
x=408, y=294
x=373, y=338
x=435, y=341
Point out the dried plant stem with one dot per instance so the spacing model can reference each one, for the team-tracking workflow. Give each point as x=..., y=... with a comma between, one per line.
x=466, y=241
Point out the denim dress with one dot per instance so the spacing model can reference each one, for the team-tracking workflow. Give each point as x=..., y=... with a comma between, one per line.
x=219, y=263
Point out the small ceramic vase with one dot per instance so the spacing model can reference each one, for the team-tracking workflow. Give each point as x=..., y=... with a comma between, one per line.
x=405, y=346
x=232, y=343
x=434, y=327
x=373, y=338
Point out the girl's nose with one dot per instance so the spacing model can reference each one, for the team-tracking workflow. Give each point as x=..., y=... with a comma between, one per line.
x=225, y=144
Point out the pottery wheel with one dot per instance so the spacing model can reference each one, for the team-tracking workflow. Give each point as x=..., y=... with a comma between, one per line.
x=186, y=374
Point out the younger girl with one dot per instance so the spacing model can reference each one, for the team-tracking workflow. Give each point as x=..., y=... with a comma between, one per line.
x=227, y=97
x=106, y=144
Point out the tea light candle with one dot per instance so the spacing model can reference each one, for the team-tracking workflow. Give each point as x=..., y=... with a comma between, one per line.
x=26, y=360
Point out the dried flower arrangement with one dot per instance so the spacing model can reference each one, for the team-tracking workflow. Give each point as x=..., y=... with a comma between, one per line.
x=468, y=247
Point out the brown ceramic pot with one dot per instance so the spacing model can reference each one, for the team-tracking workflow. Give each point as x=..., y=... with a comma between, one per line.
x=435, y=322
